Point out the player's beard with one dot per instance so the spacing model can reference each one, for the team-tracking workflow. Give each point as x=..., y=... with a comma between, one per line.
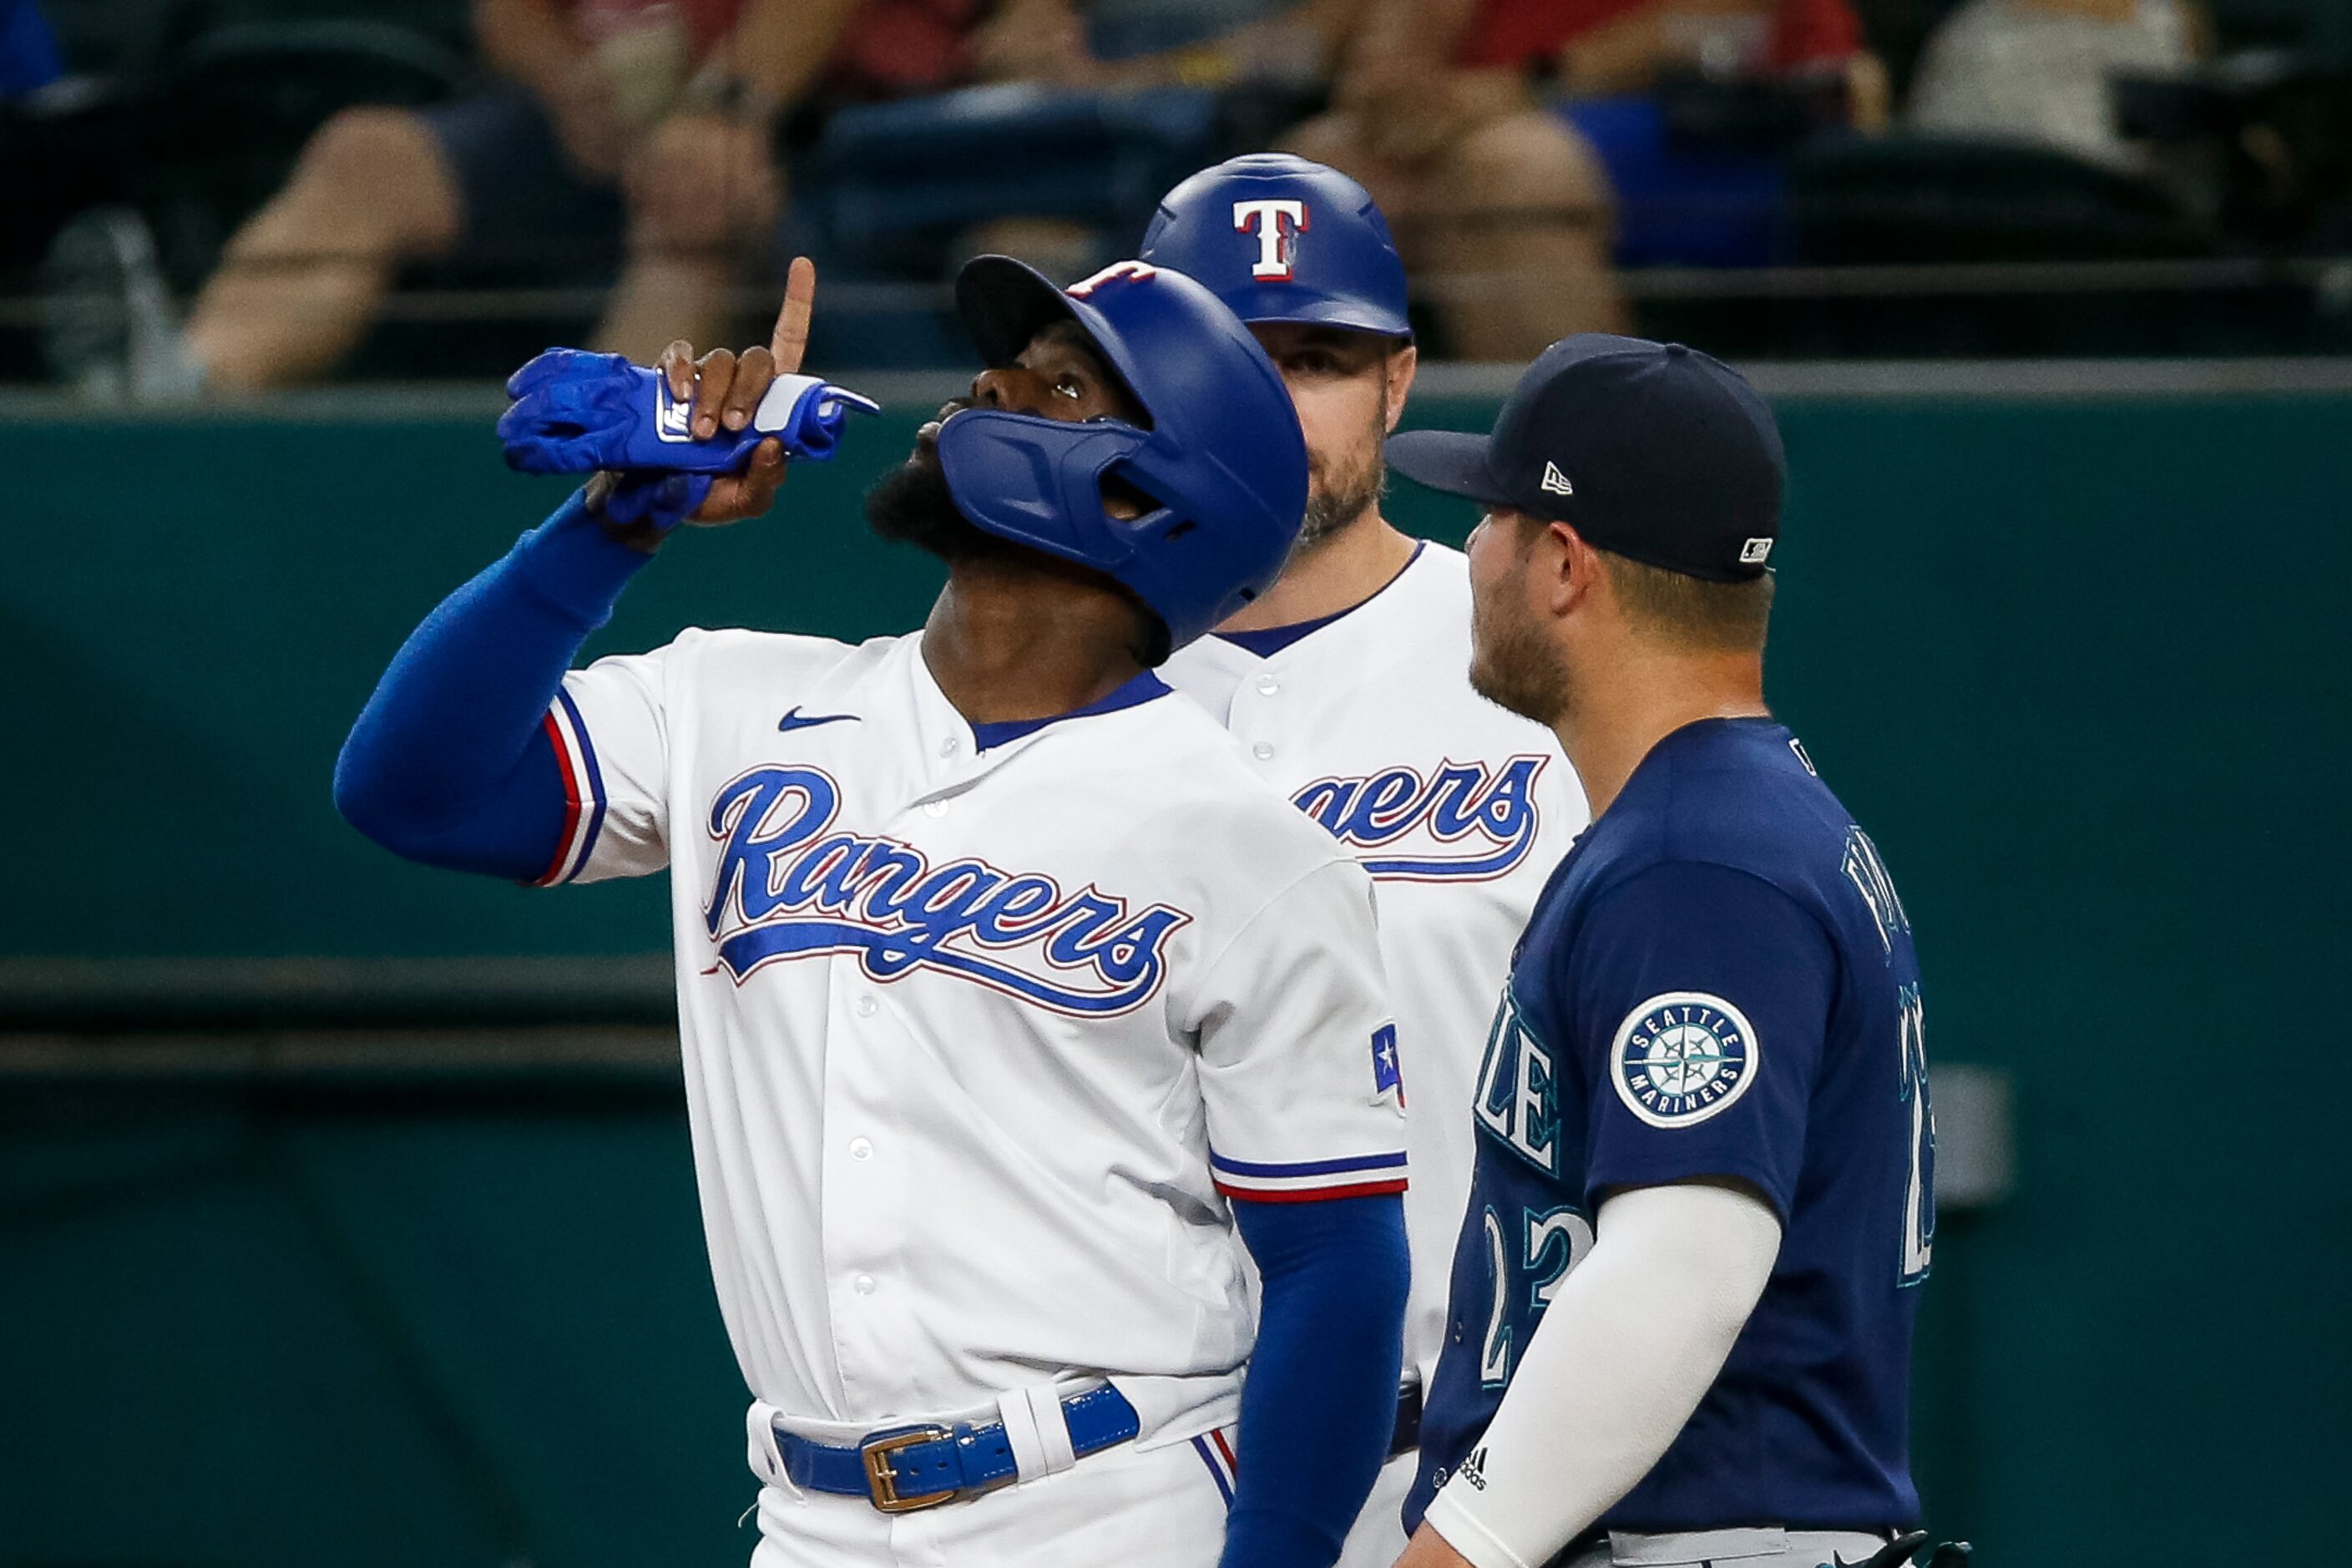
x=911, y=504
x=1337, y=496
x=1512, y=664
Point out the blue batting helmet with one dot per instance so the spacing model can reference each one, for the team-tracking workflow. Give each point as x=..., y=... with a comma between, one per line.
x=1220, y=452
x=1280, y=239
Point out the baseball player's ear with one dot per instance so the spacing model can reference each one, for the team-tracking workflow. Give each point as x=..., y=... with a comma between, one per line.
x=1404, y=364
x=1571, y=567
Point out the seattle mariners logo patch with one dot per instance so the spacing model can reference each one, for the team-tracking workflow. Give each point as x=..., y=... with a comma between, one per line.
x=1681, y=1057
x=786, y=888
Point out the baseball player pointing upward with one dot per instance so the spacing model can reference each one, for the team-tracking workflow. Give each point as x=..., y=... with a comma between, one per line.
x=1012, y=1004
x=1348, y=680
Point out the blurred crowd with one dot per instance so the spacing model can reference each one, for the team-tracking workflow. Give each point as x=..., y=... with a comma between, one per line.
x=217, y=199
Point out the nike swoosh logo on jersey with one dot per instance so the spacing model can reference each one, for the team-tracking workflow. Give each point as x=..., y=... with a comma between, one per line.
x=795, y=721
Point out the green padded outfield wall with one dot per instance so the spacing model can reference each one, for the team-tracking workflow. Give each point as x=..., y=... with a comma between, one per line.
x=2080, y=665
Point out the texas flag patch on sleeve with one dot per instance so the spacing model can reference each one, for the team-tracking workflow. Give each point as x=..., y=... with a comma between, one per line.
x=1388, y=1076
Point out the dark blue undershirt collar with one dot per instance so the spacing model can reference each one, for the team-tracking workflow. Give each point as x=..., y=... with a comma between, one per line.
x=1134, y=693
x=1267, y=641
x=1272, y=640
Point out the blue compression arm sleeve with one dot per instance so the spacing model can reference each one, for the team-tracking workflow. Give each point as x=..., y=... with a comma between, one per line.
x=448, y=763
x=1319, y=1406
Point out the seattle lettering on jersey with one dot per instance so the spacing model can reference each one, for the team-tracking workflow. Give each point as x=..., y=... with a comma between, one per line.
x=1868, y=874
x=1487, y=817
x=786, y=888
x=1516, y=1101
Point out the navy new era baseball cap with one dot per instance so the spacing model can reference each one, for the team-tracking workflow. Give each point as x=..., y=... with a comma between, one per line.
x=1652, y=450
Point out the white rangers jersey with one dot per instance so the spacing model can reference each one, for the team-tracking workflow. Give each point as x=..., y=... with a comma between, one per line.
x=1458, y=809
x=982, y=1029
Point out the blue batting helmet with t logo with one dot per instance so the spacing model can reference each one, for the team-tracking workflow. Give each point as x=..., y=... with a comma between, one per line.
x=1280, y=239
x=1220, y=458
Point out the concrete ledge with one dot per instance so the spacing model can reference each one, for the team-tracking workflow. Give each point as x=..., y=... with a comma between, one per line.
x=79, y=994
x=910, y=391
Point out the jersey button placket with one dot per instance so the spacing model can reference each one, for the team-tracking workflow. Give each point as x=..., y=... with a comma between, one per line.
x=1259, y=713
x=865, y=1202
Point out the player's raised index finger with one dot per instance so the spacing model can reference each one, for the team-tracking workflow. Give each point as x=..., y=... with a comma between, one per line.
x=790, y=341
x=677, y=369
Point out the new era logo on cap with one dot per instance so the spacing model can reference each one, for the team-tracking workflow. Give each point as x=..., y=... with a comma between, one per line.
x=1555, y=482
x=1755, y=552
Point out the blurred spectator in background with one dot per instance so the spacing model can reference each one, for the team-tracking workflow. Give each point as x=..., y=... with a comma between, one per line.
x=29, y=50
x=1167, y=43
x=1498, y=210
x=1450, y=111
x=2039, y=70
x=1503, y=213
x=1503, y=205
x=628, y=136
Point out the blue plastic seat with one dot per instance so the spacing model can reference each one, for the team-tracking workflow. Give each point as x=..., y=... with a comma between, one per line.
x=1680, y=205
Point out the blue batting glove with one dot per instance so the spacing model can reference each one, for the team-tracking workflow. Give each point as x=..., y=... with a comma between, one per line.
x=663, y=500
x=576, y=412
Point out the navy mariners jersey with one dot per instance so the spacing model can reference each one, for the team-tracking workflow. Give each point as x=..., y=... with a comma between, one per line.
x=1717, y=981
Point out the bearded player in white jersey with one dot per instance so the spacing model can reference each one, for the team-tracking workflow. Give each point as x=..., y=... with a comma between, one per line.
x=1348, y=681
x=1015, y=1009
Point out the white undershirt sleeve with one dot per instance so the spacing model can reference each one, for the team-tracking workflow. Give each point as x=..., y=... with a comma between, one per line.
x=1621, y=1357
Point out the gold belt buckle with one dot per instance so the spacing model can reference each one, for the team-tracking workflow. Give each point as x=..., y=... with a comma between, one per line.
x=882, y=1477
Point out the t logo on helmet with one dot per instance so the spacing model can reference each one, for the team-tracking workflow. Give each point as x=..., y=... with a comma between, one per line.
x=1277, y=245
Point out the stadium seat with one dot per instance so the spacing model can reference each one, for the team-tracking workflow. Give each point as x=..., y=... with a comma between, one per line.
x=898, y=179
x=1680, y=201
x=237, y=106
x=1907, y=199
x=890, y=187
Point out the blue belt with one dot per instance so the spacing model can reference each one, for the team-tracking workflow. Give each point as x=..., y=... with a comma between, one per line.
x=903, y=1468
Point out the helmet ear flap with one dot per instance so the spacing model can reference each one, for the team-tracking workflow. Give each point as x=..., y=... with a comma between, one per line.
x=1035, y=481
x=1129, y=499
x=1130, y=507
